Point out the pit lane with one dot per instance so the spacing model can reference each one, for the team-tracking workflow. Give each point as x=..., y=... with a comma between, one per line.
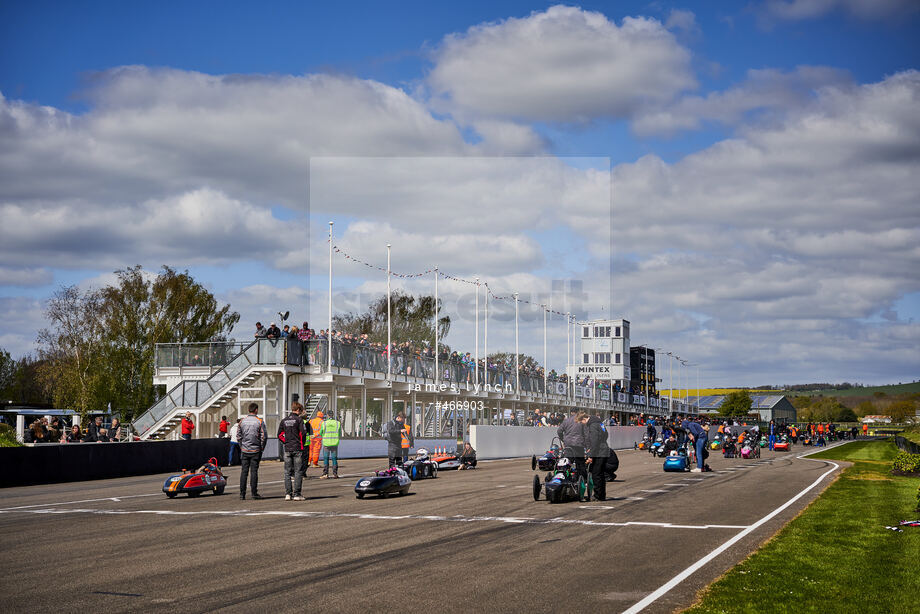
x=467, y=541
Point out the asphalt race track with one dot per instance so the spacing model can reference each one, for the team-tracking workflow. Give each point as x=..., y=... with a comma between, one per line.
x=467, y=541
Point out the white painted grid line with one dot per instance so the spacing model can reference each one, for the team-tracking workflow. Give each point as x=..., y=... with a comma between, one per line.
x=318, y=514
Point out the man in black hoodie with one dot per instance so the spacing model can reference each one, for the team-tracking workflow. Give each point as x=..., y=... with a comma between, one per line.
x=599, y=451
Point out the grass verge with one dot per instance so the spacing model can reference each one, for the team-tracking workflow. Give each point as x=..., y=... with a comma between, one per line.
x=837, y=555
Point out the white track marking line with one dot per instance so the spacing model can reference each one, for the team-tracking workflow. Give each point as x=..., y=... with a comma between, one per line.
x=675, y=485
x=156, y=494
x=25, y=507
x=655, y=490
x=295, y=514
x=694, y=479
x=662, y=590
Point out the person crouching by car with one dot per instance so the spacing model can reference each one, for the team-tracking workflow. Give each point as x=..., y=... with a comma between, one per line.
x=467, y=457
x=599, y=451
x=187, y=426
x=292, y=432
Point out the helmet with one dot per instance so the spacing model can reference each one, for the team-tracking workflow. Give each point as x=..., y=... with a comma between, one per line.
x=319, y=414
x=564, y=463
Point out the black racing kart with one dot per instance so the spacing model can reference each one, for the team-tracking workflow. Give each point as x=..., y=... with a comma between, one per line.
x=421, y=467
x=384, y=483
x=563, y=485
x=546, y=462
x=562, y=482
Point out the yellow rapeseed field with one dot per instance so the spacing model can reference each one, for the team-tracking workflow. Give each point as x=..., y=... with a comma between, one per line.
x=714, y=391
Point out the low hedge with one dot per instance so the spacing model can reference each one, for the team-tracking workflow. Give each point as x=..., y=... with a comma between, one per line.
x=906, y=463
x=8, y=437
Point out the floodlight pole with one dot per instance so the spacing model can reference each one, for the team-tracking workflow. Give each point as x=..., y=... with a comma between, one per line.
x=476, y=359
x=437, y=370
x=544, y=351
x=389, y=335
x=329, y=330
x=517, y=362
x=485, y=349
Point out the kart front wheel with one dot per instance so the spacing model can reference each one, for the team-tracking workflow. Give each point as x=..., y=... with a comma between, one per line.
x=434, y=471
x=359, y=495
x=533, y=462
x=219, y=490
x=171, y=495
x=537, y=487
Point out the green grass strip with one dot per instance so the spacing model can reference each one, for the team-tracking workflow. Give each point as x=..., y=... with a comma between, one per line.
x=836, y=556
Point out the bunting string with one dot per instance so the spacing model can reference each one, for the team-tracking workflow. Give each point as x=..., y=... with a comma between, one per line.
x=507, y=297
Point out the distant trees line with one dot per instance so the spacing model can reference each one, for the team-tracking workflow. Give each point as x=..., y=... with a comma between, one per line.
x=98, y=347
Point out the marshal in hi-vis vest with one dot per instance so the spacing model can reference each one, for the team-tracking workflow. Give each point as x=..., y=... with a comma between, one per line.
x=330, y=432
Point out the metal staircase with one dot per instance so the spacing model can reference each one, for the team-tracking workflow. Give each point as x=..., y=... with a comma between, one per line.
x=315, y=403
x=260, y=356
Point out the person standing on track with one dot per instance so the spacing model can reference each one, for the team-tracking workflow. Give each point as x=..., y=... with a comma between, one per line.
x=699, y=437
x=771, y=431
x=394, y=435
x=330, y=433
x=406, y=442
x=234, y=442
x=292, y=432
x=253, y=437
x=316, y=442
x=599, y=452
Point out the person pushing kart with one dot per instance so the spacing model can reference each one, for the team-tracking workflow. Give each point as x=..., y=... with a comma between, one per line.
x=572, y=433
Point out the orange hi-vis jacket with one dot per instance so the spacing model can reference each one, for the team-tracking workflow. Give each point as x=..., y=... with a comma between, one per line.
x=404, y=435
x=315, y=425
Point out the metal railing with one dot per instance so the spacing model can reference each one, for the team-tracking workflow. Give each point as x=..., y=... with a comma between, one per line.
x=194, y=393
x=208, y=354
x=362, y=358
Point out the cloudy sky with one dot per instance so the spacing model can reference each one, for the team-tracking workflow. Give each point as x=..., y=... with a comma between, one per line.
x=741, y=181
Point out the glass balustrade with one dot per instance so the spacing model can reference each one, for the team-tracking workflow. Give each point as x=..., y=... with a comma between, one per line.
x=194, y=393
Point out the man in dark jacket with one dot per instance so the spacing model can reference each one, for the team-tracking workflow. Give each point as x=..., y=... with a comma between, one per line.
x=599, y=451
x=93, y=431
x=253, y=437
x=394, y=432
x=292, y=432
x=572, y=433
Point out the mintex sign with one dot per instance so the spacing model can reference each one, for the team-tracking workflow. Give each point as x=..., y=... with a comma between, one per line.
x=593, y=371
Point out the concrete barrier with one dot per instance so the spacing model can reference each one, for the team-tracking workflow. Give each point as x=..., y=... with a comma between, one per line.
x=363, y=448
x=516, y=441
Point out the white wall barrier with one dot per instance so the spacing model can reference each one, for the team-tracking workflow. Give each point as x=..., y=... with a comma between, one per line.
x=363, y=448
x=488, y=441
x=514, y=441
